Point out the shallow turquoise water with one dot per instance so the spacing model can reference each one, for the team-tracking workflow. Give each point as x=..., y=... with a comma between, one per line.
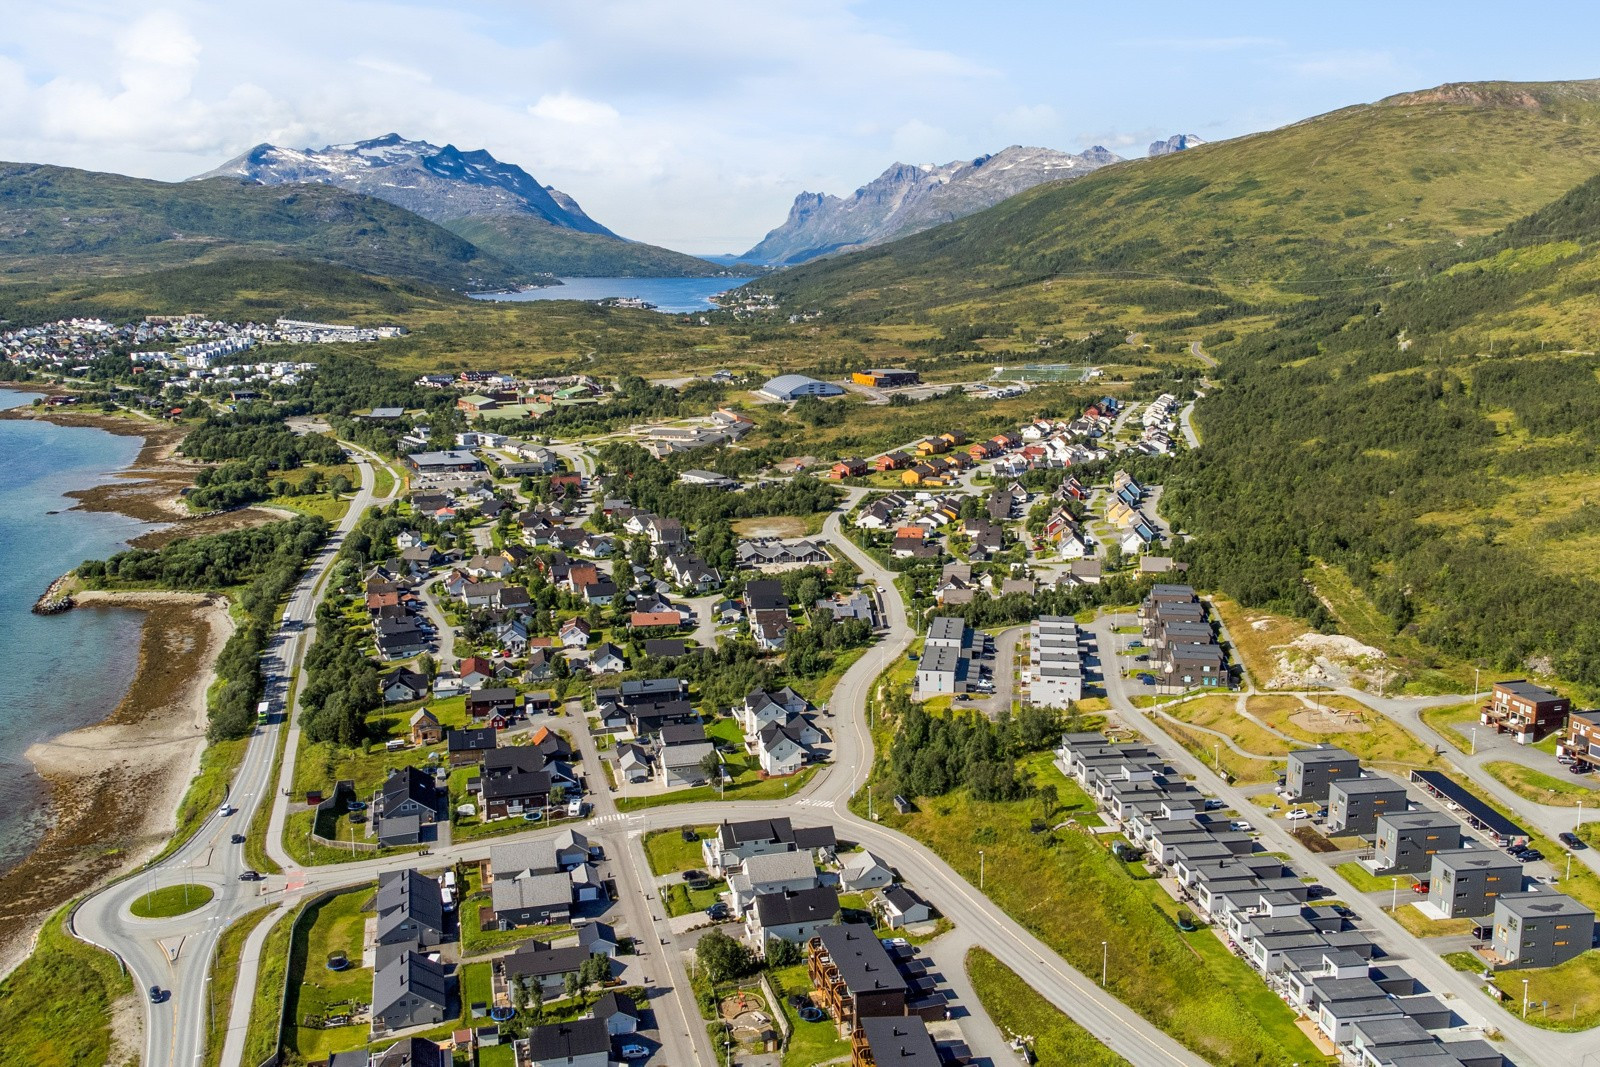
x=667, y=294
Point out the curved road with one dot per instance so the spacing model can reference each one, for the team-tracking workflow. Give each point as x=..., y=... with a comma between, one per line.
x=177, y=1030
x=175, y=954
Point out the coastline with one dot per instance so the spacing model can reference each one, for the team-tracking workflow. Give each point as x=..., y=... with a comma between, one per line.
x=115, y=787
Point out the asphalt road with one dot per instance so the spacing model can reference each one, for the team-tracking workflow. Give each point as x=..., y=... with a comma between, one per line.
x=175, y=954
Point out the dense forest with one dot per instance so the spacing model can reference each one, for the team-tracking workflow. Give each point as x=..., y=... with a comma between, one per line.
x=258, y=566
x=931, y=755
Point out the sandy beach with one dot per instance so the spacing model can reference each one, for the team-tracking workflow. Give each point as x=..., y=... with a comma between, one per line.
x=116, y=786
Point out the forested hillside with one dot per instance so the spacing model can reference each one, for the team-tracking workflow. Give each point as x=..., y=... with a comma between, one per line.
x=1438, y=442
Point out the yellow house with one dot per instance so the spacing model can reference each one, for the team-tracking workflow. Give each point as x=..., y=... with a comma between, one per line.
x=911, y=477
x=1120, y=514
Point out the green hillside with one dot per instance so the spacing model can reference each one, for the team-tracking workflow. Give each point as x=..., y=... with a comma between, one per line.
x=536, y=247
x=58, y=222
x=1348, y=199
x=1440, y=444
x=237, y=289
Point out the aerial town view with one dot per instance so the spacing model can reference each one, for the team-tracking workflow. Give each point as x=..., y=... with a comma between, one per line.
x=1124, y=603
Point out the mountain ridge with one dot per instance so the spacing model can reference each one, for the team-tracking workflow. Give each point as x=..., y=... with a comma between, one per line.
x=909, y=197
x=498, y=206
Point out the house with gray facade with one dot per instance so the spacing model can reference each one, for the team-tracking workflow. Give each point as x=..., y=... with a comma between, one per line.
x=1407, y=843
x=1465, y=882
x=1313, y=770
x=1354, y=804
x=1540, y=929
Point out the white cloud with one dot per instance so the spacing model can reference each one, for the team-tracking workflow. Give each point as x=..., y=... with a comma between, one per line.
x=564, y=107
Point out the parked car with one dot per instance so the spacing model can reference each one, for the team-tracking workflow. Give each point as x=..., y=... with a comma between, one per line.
x=1147, y=679
x=634, y=1052
x=1578, y=768
x=1421, y=885
x=717, y=912
x=1296, y=814
x=1532, y=855
x=1572, y=841
x=1241, y=826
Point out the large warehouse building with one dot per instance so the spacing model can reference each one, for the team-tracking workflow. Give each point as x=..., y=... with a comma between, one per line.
x=786, y=387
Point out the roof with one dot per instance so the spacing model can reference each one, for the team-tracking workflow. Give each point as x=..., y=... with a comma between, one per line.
x=784, y=384
x=615, y=1004
x=819, y=904
x=1479, y=811
x=862, y=961
x=411, y=1052
x=522, y=891
x=1353, y=786
x=410, y=974
x=1459, y=859
x=900, y=1041
x=902, y=899
x=409, y=783
x=1527, y=690
x=779, y=867
x=1547, y=905
x=564, y=1042
x=1320, y=754
x=409, y=895
x=539, y=960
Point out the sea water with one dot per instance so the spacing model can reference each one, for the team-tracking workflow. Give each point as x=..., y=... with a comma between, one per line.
x=57, y=672
x=676, y=295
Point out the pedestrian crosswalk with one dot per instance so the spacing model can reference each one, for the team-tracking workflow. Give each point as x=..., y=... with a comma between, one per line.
x=616, y=816
x=808, y=802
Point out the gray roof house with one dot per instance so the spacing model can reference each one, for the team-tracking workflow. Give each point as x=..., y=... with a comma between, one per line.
x=411, y=1052
x=619, y=1013
x=580, y=1043
x=408, y=801
x=902, y=907
x=862, y=870
x=411, y=990
x=410, y=909
x=791, y=916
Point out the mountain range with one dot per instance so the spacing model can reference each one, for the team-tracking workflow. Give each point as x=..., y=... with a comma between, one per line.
x=908, y=198
x=498, y=206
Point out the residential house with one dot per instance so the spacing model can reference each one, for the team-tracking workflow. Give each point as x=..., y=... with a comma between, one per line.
x=580, y=1043
x=893, y=1042
x=487, y=703
x=574, y=633
x=607, y=659
x=733, y=843
x=425, y=728
x=1354, y=804
x=1312, y=771
x=476, y=672
x=1524, y=710
x=861, y=871
x=1408, y=842
x=784, y=747
x=762, y=706
x=795, y=916
x=411, y=990
x=619, y=1013
x=467, y=746
x=537, y=964
x=407, y=802
x=901, y=907
x=410, y=908
x=771, y=872
x=855, y=975
x=1540, y=929
x=1466, y=882
x=401, y=685
x=513, y=782
x=682, y=764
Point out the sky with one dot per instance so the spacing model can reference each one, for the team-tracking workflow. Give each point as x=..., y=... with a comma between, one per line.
x=694, y=123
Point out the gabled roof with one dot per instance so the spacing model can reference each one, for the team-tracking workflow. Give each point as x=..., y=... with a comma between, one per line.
x=409, y=896
x=410, y=974
x=565, y=1042
x=787, y=908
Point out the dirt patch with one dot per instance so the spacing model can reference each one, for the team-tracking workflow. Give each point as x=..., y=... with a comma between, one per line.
x=1329, y=721
x=1314, y=841
x=774, y=526
x=115, y=787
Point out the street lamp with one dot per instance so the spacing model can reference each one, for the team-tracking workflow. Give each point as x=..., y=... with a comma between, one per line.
x=1474, y=751
x=1105, y=955
x=980, y=869
x=1524, y=998
x=1394, y=894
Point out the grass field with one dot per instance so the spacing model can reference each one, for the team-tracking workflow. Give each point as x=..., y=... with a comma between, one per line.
x=1256, y=635
x=263, y=1037
x=1020, y=1012
x=1542, y=788
x=1454, y=723
x=1357, y=876
x=1419, y=924
x=1371, y=736
x=668, y=852
x=1068, y=890
x=225, y=976
x=331, y=925
x=171, y=900
x=1218, y=756
x=679, y=899
x=1559, y=998
x=56, y=1008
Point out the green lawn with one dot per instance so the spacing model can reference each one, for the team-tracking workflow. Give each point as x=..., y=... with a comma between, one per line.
x=1358, y=877
x=681, y=900
x=497, y=1056
x=1019, y=1011
x=56, y=1008
x=1542, y=788
x=669, y=853
x=1068, y=890
x=727, y=731
x=747, y=786
x=810, y=1043
x=332, y=925
x=171, y=900
x=476, y=984
x=225, y=976
x=262, y=1036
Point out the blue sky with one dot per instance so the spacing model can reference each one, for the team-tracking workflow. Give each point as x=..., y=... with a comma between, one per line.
x=693, y=123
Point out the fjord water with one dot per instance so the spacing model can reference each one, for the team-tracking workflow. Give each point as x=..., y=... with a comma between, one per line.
x=667, y=294
x=59, y=672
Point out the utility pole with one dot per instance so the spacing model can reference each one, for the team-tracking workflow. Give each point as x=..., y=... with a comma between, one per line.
x=980, y=870
x=1105, y=956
